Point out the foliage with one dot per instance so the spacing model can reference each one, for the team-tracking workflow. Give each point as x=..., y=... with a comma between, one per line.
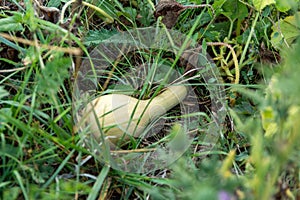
x=255, y=157
x=288, y=33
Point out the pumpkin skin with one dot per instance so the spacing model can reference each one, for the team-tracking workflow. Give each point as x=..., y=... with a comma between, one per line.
x=121, y=117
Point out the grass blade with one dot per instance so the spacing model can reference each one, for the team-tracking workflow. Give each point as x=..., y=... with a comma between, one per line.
x=97, y=186
x=19, y=180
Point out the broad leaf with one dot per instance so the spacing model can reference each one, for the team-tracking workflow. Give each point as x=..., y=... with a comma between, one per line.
x=268, y=118
x=285, y=5
x=261, y=4
x=235, y=10
x=285, y=32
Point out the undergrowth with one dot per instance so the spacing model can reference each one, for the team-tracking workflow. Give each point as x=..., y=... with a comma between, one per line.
x=255, y=46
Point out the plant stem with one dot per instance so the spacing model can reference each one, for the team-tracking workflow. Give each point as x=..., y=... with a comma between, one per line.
x=234, y=57
x=108, y=18
x=249, y=39
x=230, y=28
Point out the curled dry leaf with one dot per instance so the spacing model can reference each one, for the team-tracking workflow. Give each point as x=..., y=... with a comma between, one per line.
x=47, y=13
x=170, y=10
x=50, y=13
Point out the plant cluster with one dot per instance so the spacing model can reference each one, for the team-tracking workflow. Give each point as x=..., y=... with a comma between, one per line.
x=255, y=46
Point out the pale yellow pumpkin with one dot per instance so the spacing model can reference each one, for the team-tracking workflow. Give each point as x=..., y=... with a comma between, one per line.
x=120, y=115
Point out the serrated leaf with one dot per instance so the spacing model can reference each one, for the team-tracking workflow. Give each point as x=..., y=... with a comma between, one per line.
x=53, y=76
x=54, y=3
x=179, y=139
x=129, y=12
x=96, y=37
x=261, y=4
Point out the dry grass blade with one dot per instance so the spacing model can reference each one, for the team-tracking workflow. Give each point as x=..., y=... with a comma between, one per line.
x=69, y=50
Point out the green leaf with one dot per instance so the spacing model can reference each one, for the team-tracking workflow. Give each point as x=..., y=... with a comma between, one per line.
x=10, y=24
x=146, y=12
x=4, y=120
x=179, y=139
x=130, y=12
x=285, y=5
x=268, y=116
x=218, y=4
x=53, y=76
x=54, y=3
x=3, y=92
x=122, y=89
x=96, y=37
x=107, y=7
x=285, y=87
x=261, y=4
x=285, y=32
x=235, y=10
x=99, y=182
x=11, y=44
x=11, y=193
x=10, y=27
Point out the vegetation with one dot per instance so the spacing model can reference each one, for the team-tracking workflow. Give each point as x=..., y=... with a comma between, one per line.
x=255, y=46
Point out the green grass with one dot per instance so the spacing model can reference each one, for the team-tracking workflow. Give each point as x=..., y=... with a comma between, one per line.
x=255, y=155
